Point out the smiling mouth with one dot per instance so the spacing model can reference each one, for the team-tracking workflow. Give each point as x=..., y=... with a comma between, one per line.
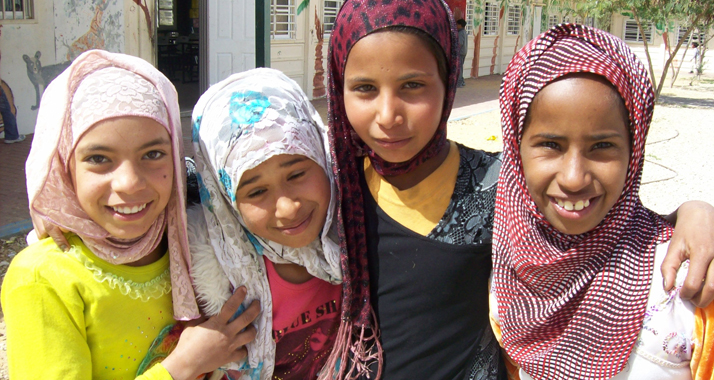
x=297, y=228
x=129, y=210
x=570, y=206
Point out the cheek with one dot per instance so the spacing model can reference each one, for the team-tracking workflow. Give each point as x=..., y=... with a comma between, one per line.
x=356, y=114
x=254, y=217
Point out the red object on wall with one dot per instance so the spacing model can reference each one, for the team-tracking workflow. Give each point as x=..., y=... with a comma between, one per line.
x=458, y=8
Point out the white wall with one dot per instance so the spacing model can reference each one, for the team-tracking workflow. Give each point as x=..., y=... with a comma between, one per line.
x=26, y=37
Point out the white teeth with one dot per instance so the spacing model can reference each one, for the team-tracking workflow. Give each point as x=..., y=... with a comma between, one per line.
x=569, y=206
x=129, y=210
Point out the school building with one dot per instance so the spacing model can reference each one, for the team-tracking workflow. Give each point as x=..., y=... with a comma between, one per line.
x=199, y=42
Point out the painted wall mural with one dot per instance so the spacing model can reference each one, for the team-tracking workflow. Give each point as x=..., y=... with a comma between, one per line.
x=81, y=25
x=41, y=76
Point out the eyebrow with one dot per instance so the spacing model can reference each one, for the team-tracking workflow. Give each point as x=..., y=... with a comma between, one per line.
x=282, y=165
x=148, y=144
x=401, y=78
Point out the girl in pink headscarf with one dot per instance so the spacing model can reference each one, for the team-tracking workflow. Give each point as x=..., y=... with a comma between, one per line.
x=106, y=165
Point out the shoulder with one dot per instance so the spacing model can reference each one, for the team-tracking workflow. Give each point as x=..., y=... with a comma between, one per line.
x=481, y=167
x=40, y=260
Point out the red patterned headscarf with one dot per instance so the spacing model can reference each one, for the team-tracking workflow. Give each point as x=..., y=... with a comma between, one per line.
x=357, y=19
x=571, y=306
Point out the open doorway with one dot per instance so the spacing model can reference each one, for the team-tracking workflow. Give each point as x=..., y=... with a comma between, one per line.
x=178, y=48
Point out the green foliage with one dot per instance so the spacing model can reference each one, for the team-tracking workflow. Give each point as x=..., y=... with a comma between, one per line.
x=302, y=6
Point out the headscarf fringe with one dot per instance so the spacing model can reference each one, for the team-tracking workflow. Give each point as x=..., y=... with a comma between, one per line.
x=365, y=350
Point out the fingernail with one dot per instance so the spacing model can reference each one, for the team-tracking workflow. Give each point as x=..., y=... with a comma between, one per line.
x=664, y=283
x=64, y=247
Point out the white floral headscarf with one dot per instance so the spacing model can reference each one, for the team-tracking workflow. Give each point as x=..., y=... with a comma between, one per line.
x=238, y=124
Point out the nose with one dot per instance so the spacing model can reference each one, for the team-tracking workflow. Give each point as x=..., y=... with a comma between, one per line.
x=128, y=178
x=286, y=207
x=389, y=110
x=575, y=174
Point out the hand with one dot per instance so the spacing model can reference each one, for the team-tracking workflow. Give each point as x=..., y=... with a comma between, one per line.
x=215, y=342
x=693, y=239
x=57, y=234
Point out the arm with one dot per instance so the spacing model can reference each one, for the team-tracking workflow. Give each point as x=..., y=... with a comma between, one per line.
x=50, y=344
x=693, y=239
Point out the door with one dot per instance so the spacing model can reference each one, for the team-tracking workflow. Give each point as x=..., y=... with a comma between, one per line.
x=231, y=38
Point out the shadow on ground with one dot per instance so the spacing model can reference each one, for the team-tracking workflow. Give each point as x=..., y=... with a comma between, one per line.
x=674, y=101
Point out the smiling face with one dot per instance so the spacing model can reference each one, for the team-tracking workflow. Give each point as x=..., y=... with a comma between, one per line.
x=575, y=151
x=122, y=171
x=285, y=199
x=393, y=96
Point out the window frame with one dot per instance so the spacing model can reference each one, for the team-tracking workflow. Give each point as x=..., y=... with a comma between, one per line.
x=490, y=18
x=639, y=38
x=332, y=14
x=26, y=11
x=288, y=10
x=513, y=24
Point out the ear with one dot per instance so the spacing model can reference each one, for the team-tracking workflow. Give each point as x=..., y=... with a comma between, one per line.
x=37, y=55
x=26, y=58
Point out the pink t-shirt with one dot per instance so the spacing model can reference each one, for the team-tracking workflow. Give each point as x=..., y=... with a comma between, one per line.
x=305, y=321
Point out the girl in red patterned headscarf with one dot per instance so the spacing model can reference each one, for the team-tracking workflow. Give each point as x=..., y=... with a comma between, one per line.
x=576, y=254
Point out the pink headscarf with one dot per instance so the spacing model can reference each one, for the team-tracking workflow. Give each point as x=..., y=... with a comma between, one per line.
x=96, y=87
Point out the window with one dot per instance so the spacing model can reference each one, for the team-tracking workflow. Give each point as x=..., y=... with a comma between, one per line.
x=16, y=10
x=329, y=14
x=552, y=21
x=282, y=19
x=590, y=21
x=470, y=15
x=578, y=20
x=696, y=37
x=566, y=19
x=632, y=32
x=514, y=20
x=490, y=19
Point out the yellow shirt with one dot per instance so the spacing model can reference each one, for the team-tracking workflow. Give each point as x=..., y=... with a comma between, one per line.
x=421, y=207
x=71, y=315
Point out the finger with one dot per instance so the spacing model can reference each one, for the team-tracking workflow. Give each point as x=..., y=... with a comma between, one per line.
x=706, y=295
x=246, y=318
x=232, y=305
x=693, y=283
x=196, y=322
x=239, y=354
x=675, y=256
x=58, y=237
x=246, y=336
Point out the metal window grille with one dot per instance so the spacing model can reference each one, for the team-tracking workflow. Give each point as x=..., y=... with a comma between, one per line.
x=590, y=21
x=329, y=14
x=470, y=15
x=578, y=20
x=632, y=32
x=17, y=10
x=696, y=35
x=514, y=20
x=566, y=19
x=552, y=20
x=490, y=19
x=282, y=19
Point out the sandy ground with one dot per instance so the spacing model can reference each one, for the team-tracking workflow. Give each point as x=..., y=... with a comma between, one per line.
x=678, y=162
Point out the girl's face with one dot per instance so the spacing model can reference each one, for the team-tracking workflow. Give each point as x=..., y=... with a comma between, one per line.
x=575, y=152
x=123, y=173
x=393, y=94
x=285, y=199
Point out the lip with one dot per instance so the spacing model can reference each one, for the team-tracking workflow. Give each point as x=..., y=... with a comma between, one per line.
x=298, y=228
x=130, y=217
x=573, y=214
x=393, y=143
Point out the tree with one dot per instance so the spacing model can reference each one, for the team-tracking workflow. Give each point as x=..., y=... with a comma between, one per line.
x=693, y=14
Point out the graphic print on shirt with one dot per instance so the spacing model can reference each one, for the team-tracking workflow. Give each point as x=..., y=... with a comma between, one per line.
x=305, y=344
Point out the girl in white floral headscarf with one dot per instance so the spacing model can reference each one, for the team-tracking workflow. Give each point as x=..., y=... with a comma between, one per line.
x=106, y=165
x=266, y=220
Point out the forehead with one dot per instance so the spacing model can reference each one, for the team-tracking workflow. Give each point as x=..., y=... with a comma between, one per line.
x=578, y=103
x=125, y=132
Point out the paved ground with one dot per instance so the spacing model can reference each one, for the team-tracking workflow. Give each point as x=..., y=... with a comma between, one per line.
x=478, y=95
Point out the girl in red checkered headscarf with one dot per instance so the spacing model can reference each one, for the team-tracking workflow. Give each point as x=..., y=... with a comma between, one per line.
x=574, y=248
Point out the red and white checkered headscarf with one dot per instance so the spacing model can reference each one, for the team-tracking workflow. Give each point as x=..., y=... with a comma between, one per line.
x=571, y=306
